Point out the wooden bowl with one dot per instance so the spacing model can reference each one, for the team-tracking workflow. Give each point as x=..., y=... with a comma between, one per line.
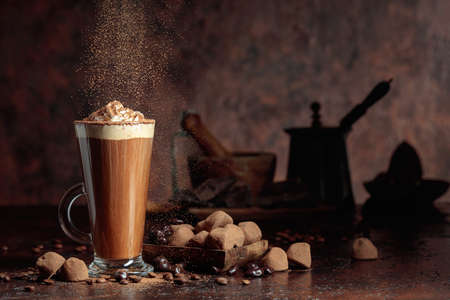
x=257, y=169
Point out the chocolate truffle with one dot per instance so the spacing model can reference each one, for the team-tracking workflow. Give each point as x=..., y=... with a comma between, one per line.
x=276, y=259
x=74, y=269
x=225, y=238
x=300, y=254
x=214, y=220
x=364, y=249
x=181, y=236
x=251, y=231
x=199, y=239
x=49, y=263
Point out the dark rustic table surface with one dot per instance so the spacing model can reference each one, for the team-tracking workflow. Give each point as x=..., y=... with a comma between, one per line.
x=414, y=262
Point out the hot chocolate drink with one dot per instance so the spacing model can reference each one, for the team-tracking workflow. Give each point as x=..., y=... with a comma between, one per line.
x=115, y=146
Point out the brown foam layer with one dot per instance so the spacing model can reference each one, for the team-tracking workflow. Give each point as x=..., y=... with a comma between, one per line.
x=114, y=130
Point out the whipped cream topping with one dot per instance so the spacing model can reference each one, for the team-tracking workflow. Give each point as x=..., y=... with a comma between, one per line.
x=114, y=111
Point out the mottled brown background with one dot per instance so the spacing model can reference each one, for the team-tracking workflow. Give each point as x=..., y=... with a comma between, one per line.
x=250, y=68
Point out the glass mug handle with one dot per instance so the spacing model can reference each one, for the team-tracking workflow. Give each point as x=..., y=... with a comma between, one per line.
x=64, y=218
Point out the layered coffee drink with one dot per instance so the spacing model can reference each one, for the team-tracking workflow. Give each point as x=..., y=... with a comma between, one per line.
x=116, y=146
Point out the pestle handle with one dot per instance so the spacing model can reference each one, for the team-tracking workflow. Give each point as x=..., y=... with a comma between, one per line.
x=193, y=124
x=378, y=92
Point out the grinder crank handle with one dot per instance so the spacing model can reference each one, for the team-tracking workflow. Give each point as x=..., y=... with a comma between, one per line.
x=378, y=92
x=193, y=124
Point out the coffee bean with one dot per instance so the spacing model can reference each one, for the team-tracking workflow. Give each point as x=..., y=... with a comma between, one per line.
x=245, y=281
x=232, y=271
x=222, y=280
x=48, y=281
x=100, y=280
x=81, y=248
x=58, y=246
x=135, y=278
x=121, y=275
x=168, y=276
x=90, y=281
x=29, y=288
x=124, y=282
x=195, y=277
x=167, y=230
x=112, y=280
x=105, y=276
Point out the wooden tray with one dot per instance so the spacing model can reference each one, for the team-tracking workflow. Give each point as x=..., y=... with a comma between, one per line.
x=222, y=259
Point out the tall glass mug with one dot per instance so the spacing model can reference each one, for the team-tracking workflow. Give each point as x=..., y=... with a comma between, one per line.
x=116, y=167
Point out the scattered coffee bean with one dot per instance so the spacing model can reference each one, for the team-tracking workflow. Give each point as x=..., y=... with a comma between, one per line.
x=105, y=276
x=112, y=280
x=232, y=271
x=121, y=274
x=29, y=288
x=245, y=281
x=222, y=280
x=58, y=246
x=36, y=250
x=124, y=282
x=179, y=275
x=168, y=276
x=48, y=281
x=81, y=248
x=100, y=280
x=195, y=277
x=135, y=278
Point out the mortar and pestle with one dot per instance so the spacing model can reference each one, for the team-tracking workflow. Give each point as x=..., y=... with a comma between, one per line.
x=256, y=169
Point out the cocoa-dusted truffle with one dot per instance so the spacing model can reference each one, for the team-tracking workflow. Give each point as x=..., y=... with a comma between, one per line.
x=225, y=238
x=49, y=263
x=74, y=269
x=199, y=239
x=364, y=249
x=276, y=259
x=300, y=254
x=175, y=227
x=181, y=236
x=251, y=231
x=214, y=220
